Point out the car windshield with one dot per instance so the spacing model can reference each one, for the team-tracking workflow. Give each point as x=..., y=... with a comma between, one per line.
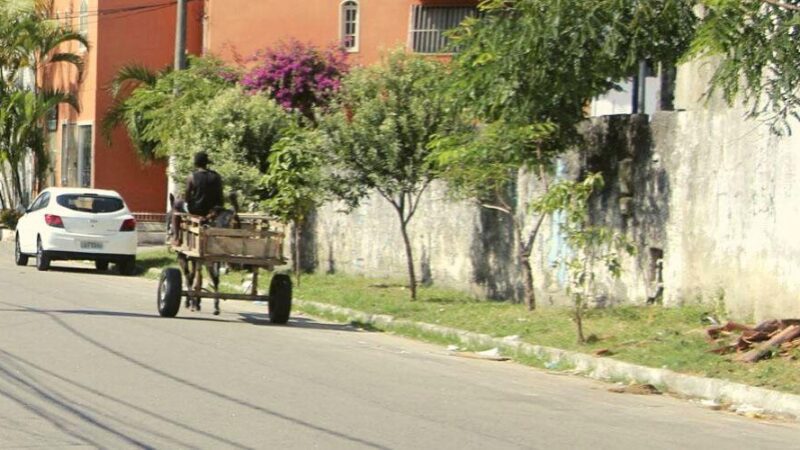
x=90, y=203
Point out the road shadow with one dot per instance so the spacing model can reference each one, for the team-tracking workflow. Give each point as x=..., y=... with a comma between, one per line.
x=270, y=412
x=297, y=322
x=258, y=319
x=95, y=312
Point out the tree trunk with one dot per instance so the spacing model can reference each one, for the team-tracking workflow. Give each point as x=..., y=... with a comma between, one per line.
x=5, y=178
x=579, y=319
x=17, y=184
x=788, y=334
x=588, y=264
x=297, y=225
x=527, y=280
x=524, y=261
x=412, y=277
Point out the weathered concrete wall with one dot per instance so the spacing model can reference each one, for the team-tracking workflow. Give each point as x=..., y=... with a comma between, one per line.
x=454, y=243
x=734, y=210
x=711, y=200
x=461, y=245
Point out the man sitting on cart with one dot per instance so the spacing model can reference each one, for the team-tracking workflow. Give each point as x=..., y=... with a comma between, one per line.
x=202, y=196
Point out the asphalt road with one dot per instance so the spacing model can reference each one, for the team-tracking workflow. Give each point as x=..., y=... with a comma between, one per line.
x=85, y=362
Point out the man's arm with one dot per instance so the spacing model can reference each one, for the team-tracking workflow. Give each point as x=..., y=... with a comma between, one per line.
x=189, y=192
x=219, y=192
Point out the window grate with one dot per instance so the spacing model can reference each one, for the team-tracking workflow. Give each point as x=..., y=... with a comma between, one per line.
x=429, y=25
x=350, y=25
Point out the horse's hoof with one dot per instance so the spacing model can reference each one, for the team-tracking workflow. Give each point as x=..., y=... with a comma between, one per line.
x=216, y=313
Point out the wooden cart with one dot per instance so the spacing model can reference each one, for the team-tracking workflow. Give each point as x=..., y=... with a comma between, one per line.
x=257, y=243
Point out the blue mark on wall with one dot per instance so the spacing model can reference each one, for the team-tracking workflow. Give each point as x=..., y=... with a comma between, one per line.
x=559, y=250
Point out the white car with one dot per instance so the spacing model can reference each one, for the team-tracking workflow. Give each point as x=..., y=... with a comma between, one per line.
x=79, y=224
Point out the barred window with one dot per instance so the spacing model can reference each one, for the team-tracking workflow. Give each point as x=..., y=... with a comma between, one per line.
x=349, y=27
x=430, y=23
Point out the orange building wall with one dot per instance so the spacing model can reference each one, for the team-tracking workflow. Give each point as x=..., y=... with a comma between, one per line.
x=120, y=34
x=232, y=29
x=383, y=25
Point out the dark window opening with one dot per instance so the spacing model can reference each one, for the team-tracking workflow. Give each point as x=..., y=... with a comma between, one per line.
x=90, y=203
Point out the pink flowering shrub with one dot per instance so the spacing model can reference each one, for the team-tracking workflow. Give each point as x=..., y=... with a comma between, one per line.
x=298, y=76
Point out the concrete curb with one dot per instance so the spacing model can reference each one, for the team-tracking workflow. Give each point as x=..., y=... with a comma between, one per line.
x=6, y=235
x=715, y=390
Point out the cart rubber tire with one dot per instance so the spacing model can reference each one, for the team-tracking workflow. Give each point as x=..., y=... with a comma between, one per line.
x=101, y=265
x=20, y=258
x=42, y=257
x=127, y=266
x=280, y=298
x=169, y=292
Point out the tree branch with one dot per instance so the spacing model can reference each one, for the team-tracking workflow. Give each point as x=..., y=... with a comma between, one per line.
x=415, y=201
x=532, y=236
x=495, y=207
x=783, y=5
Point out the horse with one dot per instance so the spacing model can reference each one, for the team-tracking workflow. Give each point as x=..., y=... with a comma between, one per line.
x=192, y=268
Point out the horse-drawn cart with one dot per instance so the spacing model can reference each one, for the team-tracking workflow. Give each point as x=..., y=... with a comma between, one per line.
x=254, y=244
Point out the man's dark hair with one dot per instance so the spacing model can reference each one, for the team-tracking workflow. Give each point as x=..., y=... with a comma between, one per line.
x=201, y=160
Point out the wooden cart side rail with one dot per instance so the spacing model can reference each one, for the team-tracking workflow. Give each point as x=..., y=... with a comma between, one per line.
x=267, y=263
x=241, y=232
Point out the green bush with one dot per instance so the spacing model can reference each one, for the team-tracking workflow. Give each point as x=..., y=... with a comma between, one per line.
x=9, y=218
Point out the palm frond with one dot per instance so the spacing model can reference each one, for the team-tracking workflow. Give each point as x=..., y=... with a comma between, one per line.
x=132, y=75
x=70, y=58
x=114, y=116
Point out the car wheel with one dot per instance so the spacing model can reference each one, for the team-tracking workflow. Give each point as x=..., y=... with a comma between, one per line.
x=169, y=292
x=101, y=265
x=42, y=258
x=20, y=258
x=280, y=298
x=127, y=266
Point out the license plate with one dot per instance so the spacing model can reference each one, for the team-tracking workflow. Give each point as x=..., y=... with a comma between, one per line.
x=92, y=245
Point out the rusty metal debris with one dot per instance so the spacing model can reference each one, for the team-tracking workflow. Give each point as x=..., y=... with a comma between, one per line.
x=755, y=343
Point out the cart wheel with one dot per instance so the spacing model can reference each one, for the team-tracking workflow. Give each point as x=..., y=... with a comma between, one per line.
x=169, y=292
x=280, y=298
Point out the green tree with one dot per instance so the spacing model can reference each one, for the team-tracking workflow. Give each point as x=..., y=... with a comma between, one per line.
x=129, y=114
x=543, y=61
x=29, y=41
x=757, y=42
x=380, y=134
x=484, y=163
x=152, y=105
x=296, y=180
x=238, y=130
x=590, y=244
x=526, y=71
x=22, y=132
x=32, y=40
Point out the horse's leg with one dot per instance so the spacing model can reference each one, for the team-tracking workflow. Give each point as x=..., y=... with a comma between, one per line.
x=213, y=272
x=188, y=276
x=198, y=284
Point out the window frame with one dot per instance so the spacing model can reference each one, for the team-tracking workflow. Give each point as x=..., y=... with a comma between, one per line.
x=83, y=23
x=83, y=152
x=346, y=6
x=433, y=34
